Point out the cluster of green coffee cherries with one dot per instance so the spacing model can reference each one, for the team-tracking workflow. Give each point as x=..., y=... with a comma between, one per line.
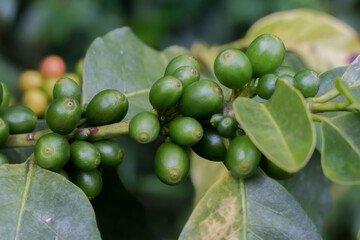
x=67, y=149
x=192, y=113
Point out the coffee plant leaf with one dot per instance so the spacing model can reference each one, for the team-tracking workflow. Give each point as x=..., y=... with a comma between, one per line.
x=340, y=156
x=310, y=188
x=40, y=204
x=119, y=60
x=255, y=208
x=349, y=75
x=323, y=42
x=327, y=81
x=281, y=128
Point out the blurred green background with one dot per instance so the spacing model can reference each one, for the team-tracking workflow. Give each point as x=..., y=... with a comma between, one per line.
x=32, y=29
x=138, y=206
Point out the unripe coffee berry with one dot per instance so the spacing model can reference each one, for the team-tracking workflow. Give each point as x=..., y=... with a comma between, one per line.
x=52, y=151
x=144, y=127
x=233, y=68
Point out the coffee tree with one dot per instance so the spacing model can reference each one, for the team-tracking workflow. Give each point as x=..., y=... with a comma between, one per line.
x=253, y=130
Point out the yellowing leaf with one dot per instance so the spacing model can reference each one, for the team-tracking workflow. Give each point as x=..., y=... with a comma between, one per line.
x=322, y=41
x=255, y=208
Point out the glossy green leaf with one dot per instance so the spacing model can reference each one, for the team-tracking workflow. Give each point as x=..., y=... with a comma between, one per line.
x=341, y=148
x=310, y=188
x=281, y=128
x=39, y=204
x=351, y=96
x=349, y=75
x=327, y=81
x=352, y=75
x=119, y=60
x=318, y=136
x=255, y=208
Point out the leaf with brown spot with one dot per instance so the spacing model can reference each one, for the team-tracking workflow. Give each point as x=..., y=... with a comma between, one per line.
x=267, y=211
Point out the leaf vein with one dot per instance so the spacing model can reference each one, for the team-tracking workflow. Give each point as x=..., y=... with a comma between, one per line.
x=276, y=127
x=29, y=171
x=343, y=136
x=46, y=224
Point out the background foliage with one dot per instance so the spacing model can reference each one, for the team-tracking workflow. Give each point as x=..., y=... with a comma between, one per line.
x=137, y=205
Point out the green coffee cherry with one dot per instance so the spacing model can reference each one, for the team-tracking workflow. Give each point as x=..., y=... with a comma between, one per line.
x=112, y=153
x=265, y=53
x=4, y=131
x=272, y=170
x=180, y=61
x=144, y=127
x=187, y=75
x=215, y=119
x=90, y=182
x=63, y=115
x=211, y=146
x=165, y=93
x=185, y=131
x=227, y=127
x=84, y=155
x=5, y=96
x=201, y=99
x=20, y=119
x=171, y=163
x=289, y=79
x=285, y=70
x=266, y=85
x=108, y=106
x=52, y=151
x=308, y=82
x=233, y=68
x=66, y=87
x=3, y=159
x=242, y=158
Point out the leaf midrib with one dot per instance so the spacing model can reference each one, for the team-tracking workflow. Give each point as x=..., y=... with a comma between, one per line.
x=272, y=120
x=29, y=170
x=138, y=92
x=341, y=133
